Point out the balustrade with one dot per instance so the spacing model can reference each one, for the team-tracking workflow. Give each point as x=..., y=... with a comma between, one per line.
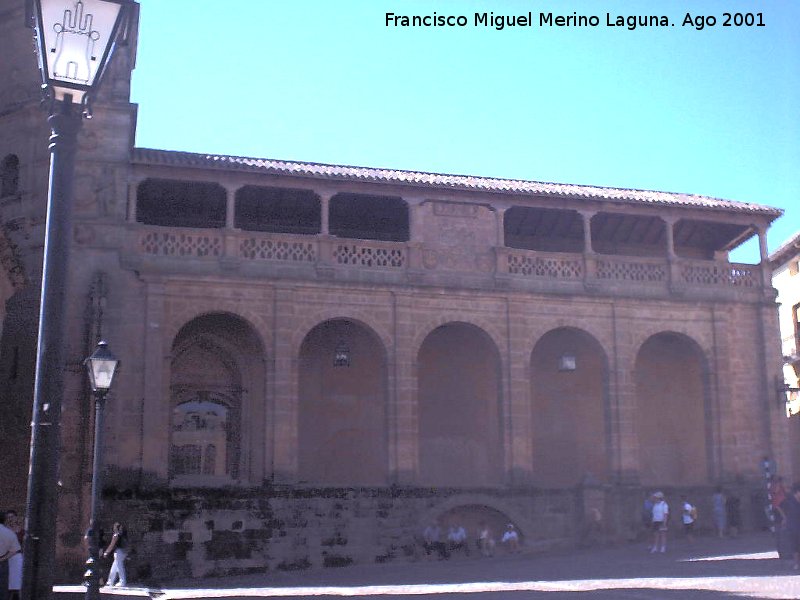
x=265, y=248
x=715, y=273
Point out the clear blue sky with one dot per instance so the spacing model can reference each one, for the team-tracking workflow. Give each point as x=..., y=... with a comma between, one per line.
x=713, y=111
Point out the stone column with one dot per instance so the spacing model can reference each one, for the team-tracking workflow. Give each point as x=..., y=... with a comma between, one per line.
x=133, y=191
x=675, y=280
x=500, y=213
x=285, y=413
x=766, y=269
x=415, y=236
x=589, y=257
x=414, y=218
x=156, y=410
x=519, y=418
x=325, y=209
x=406, y=411
x=622, y=391
x=230, y=207
x=669, y=224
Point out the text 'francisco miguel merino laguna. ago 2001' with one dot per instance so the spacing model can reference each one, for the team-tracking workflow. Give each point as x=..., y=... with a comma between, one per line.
x=548, y=19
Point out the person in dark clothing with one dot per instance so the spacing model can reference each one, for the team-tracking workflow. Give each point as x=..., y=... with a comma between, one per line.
x=117, y=577
x=791, y=525
x=733, y=507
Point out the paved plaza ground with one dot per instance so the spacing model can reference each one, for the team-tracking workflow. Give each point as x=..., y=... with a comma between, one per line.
x=708, y=569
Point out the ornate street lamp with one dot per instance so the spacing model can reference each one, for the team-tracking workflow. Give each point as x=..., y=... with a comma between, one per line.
x=75, y=40
x=101, y=367
x=789, y=397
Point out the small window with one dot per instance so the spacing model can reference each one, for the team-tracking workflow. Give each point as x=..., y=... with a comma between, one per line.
x=10, y=176
x=794, y=267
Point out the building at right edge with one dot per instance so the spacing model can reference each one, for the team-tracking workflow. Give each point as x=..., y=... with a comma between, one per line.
x=784, y=263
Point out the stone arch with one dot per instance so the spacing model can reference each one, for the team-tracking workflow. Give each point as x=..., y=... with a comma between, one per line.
x=342, y=407
x=673, y=410
x=179, y=313
x=459, y=376
x=570, y=408
x=216, y=384
x=307, y=324
x=597, y=330
x=699, y=337
x=425, y=328
x=448, y=506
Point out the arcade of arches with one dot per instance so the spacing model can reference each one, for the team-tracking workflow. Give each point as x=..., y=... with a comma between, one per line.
x=221, y=429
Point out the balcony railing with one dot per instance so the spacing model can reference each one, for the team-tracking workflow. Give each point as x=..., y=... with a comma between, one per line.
x=364, y=256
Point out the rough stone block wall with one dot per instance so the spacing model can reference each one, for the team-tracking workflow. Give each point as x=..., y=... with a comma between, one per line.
x=181, y=534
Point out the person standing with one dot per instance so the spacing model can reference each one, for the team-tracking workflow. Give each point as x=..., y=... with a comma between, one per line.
x=688, y=516
x=777, y=494
x=790, y=509
x=9, y=546
x=660, y=520
x=719, y=511
x=14, y=523
x=119, y=547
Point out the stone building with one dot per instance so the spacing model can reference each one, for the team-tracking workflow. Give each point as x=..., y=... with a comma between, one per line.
x=319, y=359
x=784, y=263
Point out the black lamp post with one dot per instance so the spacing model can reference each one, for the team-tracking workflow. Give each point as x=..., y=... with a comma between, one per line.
x=790, y=398
x=75, y=40
x=101, y=366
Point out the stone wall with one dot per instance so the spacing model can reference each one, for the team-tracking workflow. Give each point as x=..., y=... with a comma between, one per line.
x=202, y=533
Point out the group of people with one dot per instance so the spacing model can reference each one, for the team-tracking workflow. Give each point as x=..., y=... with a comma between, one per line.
x=12, y=535
x=656, y=517
x=726, y=512
x=456, y=540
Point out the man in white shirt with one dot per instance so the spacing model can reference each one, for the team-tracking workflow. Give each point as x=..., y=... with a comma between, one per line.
x=688, y=515
x=511, y=538
x=660, y=519
x=9, y=546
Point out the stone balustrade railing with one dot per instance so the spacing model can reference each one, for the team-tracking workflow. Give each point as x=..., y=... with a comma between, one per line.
x=372, y=255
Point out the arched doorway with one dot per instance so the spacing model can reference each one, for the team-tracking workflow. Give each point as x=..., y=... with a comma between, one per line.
x=217, y=365
x=569, y=383
x=672, y=411
x=460, y=442
x=342, y=406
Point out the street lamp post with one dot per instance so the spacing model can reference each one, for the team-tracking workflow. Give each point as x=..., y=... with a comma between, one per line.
x=75, y=40
x=101, y=366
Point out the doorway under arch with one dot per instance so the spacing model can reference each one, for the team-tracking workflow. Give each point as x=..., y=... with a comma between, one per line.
x=569, y=392
x=342, y=434
x=460, y=441
x=217, y=371
x=672, y=406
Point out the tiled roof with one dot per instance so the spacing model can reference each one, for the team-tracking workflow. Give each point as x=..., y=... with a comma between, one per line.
x=149, y=156
x=787, y=251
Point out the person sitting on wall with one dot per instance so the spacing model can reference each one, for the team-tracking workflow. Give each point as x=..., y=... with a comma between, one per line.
x=486, y=541
x=457, y=539
x=432, y=541
x=511, y=538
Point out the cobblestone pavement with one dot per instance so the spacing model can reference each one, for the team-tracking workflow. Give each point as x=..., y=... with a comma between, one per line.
x=708, y=569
